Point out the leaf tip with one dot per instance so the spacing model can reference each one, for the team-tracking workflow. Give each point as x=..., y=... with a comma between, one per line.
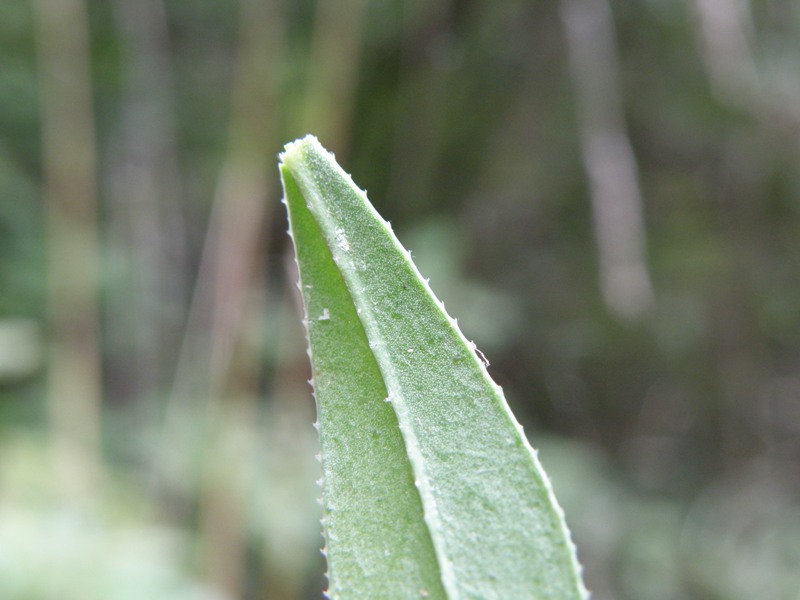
x=296, y=147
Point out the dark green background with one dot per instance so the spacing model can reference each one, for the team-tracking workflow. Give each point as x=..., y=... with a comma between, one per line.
x=672, y=436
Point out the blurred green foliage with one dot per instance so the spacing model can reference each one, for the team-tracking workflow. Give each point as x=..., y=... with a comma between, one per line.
x=673, y=437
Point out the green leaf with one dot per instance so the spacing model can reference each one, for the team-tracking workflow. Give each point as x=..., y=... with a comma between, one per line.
x=430, y=488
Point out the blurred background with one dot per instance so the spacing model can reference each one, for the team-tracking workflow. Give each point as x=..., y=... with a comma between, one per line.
x=606, y=194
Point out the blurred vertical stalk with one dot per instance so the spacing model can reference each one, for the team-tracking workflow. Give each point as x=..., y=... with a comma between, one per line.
x=230, y=276
x=144, y=216
x=68, y=163
x=332, y=76
x=725, y=29
x=725, y=33
x=420, y=132
x=240, y=209
x=608, y=157
x=290, y=521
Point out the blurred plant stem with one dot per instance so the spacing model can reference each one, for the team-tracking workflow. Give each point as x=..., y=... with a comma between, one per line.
x=420, y=131
x=725, y=30
x=726, y=34
x=608, y=157
x=292, y=531
x=68, y=163
x=229, y=276
x=333, y=68
x=145, y=221
x=224, y=496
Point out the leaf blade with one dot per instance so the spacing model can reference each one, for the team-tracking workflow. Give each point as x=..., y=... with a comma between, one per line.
x=488, y=506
